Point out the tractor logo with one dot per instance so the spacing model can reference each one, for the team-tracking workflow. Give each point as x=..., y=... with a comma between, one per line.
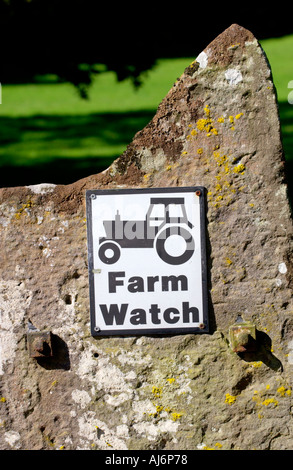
x=165, y=218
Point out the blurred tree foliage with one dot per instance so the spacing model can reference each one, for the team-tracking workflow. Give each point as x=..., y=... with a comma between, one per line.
x=75, y=40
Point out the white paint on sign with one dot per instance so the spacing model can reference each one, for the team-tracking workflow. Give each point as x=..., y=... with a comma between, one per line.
x=146, y=261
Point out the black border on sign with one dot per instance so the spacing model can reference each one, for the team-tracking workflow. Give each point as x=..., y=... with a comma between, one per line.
x=149, y=331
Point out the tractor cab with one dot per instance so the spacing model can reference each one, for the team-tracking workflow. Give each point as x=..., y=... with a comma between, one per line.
x=164, y=211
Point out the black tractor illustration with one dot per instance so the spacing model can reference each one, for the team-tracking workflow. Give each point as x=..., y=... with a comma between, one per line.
x=165, y=217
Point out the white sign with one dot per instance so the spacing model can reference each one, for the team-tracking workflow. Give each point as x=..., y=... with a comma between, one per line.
x=147, y=261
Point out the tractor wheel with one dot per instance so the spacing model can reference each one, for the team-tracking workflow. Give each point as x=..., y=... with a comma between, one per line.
x=161, y=245
x=109, y=253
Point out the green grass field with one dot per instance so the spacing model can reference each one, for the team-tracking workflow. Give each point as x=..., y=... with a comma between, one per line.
x=49, y=134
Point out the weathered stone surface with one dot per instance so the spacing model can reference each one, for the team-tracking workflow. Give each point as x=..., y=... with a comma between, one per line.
x=218, y=127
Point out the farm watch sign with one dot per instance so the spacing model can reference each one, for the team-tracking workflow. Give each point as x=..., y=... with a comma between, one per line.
x=147, y=261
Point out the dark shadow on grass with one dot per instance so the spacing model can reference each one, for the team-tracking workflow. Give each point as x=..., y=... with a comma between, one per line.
x=50, y=138
x=58, y=171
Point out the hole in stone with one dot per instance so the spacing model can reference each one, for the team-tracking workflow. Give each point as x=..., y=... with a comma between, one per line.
x=68, y=299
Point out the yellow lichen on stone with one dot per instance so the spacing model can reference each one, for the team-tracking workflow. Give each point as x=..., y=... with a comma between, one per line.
x=207, y=110
x=159, y=409
x=206, y=124
x=23, y=208
x=176, y=416
x=218, y=445
x=283, y=391
x=256, y=364
x=220, y=159
x=231, y=120
x=261, y=401
x=230, y=399
x=223, y=184
x=270, y=401
x=157, y=391
x=171, y=380
x=239, y=169
x=203, y=125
